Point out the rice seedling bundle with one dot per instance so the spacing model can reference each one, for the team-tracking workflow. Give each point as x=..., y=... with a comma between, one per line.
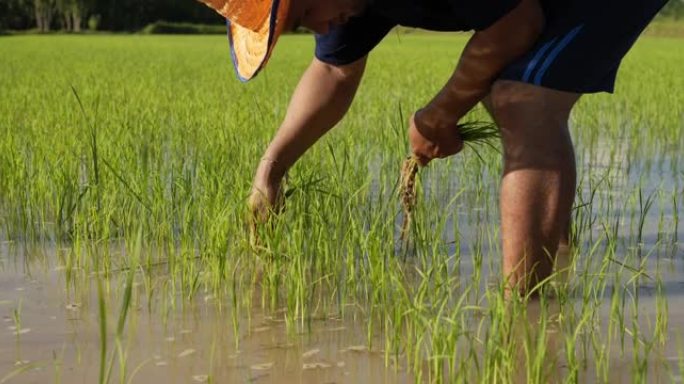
x=473, y=134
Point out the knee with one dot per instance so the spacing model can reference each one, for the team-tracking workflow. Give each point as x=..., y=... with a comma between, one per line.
x=503, y=99
x=517, y=105
x=512, y=105
x=533, y=123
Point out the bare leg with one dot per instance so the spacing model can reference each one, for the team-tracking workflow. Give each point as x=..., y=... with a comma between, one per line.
x=538, y=186
x=564, y=242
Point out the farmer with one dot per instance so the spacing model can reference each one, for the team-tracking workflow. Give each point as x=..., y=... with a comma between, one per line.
x=528, y=62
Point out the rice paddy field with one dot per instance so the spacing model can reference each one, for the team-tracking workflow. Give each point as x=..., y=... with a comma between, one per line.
x=125, y=167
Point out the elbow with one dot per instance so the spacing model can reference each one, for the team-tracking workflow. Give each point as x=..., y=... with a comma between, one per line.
x=526, y=36
x=514, y=34
x=533, y=25
x=536, y=25
x=521, y=28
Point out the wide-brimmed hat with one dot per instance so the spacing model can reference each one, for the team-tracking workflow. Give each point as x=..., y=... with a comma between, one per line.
x=253, y=29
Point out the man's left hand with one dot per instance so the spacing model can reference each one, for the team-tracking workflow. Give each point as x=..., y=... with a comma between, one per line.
x=433, y=137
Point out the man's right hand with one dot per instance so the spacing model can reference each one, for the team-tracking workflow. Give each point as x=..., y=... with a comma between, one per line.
x=322, y=97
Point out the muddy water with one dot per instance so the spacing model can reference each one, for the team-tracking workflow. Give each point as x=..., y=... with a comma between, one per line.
x=49, y=334
x=57, y=339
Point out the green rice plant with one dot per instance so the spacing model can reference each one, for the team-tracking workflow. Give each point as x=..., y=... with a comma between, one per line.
x=17, y=371
x=675, y=213
x=102, y=311
x=157, y=141
x=680, y=355
x=16, y=318
x=644, y=207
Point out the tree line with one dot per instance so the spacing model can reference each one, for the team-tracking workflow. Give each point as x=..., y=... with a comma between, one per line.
x=107, y=15
x=132, y=15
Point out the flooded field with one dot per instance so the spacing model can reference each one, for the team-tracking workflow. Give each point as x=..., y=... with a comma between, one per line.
x=58, y=340
x=52, y=334
x=124, y=255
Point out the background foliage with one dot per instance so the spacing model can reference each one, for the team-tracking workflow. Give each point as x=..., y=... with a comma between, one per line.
x=111, y=15
x=131, y=15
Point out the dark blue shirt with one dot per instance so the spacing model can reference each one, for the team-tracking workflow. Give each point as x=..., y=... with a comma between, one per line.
x=349, y=42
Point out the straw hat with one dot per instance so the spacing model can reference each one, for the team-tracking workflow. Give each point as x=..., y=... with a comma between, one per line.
x=253, y=29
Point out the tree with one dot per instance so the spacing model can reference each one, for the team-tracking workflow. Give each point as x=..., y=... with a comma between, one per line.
x=16, y=14
x=72, y=13
x=673, y=9
x=44, y=11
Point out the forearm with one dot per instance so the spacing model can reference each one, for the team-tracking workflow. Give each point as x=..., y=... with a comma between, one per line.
x=319, y=102
x=485, y=56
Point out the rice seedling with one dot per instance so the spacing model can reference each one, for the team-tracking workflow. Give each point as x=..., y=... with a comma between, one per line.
x=123, y=184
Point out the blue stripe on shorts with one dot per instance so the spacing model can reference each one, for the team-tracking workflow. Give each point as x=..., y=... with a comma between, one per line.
x=564, y=42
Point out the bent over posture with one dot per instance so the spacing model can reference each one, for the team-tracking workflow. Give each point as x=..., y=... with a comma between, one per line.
x=528, y=62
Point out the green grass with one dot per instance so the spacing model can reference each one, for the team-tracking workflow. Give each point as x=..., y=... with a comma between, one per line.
x=159, y=162
x=666, y=27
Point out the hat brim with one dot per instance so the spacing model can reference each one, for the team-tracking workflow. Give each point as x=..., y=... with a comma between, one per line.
x=251, y=48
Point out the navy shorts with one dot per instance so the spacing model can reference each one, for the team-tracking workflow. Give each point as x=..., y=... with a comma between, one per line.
x=583, y=44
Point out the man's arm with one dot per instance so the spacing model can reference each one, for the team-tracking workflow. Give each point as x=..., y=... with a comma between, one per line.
x=484, y=57
x=321, y=99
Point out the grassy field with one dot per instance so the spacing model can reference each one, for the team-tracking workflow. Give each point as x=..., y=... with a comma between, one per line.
x=126, y=161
